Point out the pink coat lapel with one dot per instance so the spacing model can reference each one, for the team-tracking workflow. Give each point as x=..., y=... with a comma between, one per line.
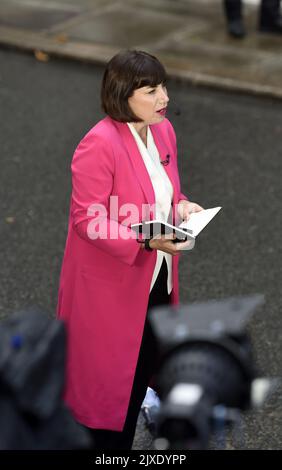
x=138, y=163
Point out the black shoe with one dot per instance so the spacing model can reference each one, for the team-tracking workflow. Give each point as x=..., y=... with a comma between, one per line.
x=274, y=28
x=236, y=29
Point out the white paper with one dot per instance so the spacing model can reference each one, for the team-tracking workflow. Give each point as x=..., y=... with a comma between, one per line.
x=198, y=220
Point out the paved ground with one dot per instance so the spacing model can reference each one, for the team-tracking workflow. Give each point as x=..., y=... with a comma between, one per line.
x=189, y=36
x=229, y=155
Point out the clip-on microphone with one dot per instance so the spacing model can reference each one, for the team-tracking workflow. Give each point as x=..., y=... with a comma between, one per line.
x=166, y=161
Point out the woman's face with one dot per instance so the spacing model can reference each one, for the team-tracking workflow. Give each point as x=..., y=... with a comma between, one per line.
x=149, y=103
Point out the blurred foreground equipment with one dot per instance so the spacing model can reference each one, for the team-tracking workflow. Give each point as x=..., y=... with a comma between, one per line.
x=32, y=374
x=206, y=373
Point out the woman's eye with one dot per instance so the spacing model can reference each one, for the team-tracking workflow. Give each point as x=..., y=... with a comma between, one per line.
x=152, y=91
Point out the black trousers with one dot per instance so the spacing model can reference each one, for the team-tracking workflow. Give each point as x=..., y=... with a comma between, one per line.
x=106, y=439
x=269, y=10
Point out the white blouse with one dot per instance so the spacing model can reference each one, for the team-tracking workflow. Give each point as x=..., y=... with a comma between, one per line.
x=163, y=194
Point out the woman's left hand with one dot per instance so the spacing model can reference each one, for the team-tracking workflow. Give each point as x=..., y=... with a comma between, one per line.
x=185, y=208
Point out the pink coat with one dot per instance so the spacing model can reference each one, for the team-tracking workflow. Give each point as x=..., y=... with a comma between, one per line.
x=105, y=283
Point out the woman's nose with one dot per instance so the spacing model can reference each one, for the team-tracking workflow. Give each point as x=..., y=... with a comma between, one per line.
x=164, y=96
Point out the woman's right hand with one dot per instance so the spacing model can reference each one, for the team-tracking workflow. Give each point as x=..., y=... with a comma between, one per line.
x=165, y=243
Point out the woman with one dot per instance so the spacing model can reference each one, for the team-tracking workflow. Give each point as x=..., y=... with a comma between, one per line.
x=125, y=164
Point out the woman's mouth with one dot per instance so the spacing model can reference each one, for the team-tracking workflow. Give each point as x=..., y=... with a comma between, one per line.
x=162, y=111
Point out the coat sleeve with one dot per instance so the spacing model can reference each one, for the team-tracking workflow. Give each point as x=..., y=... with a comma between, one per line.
x=172, y=138
x=93, y=167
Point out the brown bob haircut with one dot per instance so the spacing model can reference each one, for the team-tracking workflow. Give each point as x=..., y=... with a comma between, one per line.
x=127, y=71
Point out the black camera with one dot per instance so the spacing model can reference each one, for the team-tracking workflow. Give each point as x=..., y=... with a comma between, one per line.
x=32, y=375
x=205, y=371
